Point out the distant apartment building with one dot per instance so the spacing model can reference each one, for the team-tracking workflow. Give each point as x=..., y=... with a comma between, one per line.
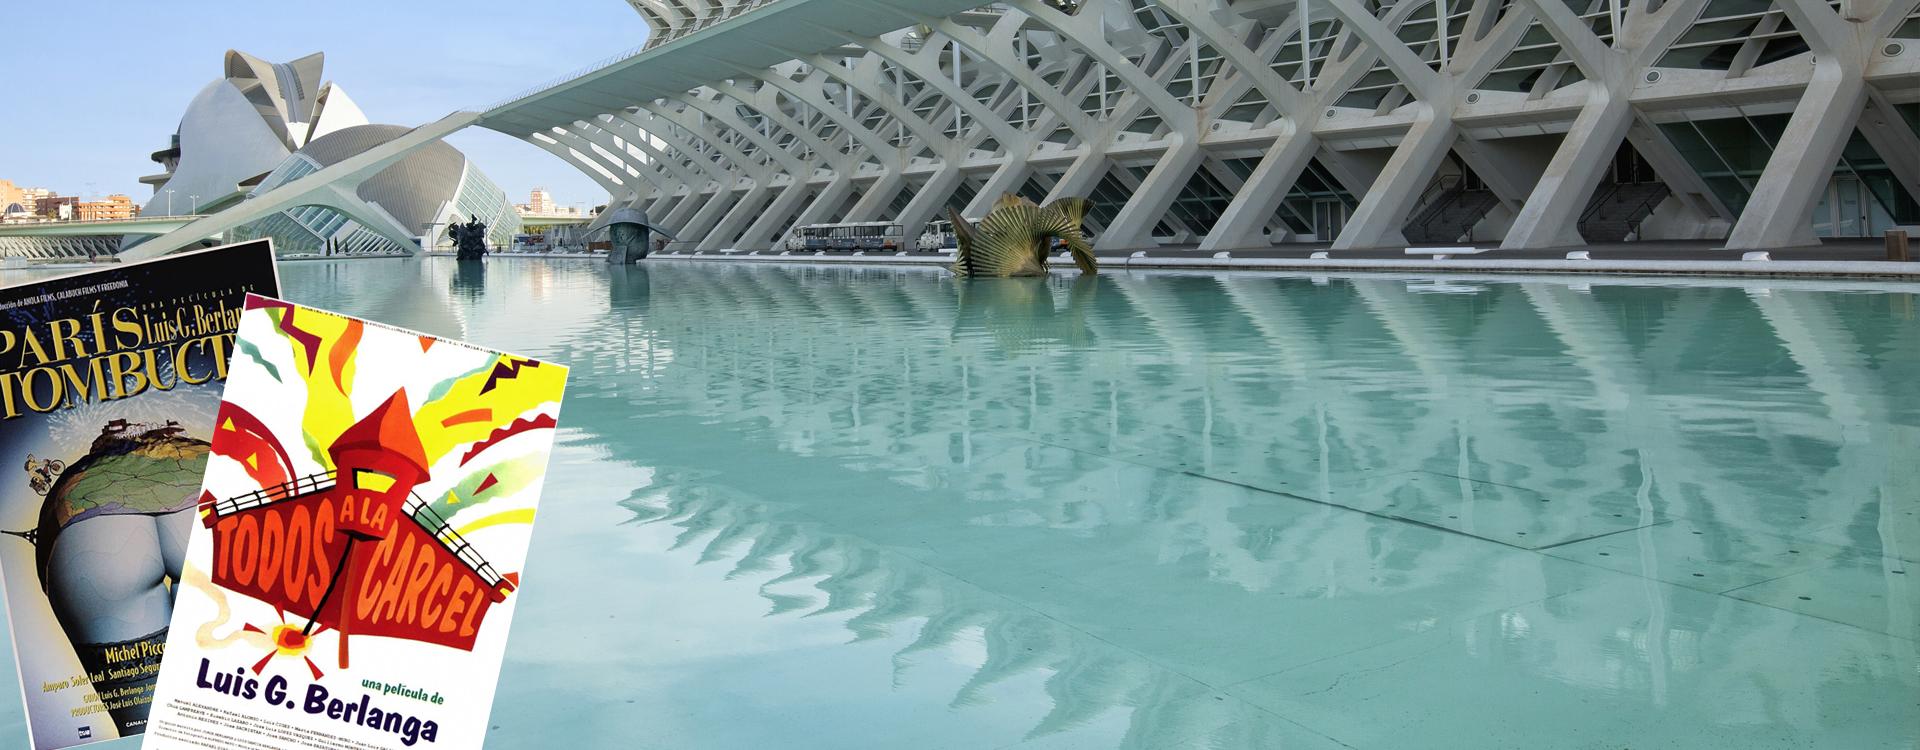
x=62, y=207
x=17, y=201
x=112, y=207
x=10, y=198
x=540, y=203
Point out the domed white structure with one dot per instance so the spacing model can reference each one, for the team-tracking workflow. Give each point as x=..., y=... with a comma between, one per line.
x=241, y=126
x=265, y=124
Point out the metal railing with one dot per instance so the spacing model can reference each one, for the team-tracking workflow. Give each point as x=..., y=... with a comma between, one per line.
x=1633, y=217
x=308, y=484
x=1432, y=200
x=556, y=81
x=726, y=14
x=654, y=40
x=416, y=508
x=71, y=222
x=1599, y=203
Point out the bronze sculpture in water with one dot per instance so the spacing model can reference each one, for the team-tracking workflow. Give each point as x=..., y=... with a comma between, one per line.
x=1017, y=236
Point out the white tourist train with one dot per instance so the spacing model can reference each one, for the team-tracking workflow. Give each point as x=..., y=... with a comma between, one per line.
x=860, y=236
x=938, y=237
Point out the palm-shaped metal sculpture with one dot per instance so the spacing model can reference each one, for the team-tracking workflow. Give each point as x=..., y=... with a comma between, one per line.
x=1016, y=237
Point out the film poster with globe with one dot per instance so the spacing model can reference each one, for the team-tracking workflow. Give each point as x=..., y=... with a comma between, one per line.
x=109, y=380
x=358, y=542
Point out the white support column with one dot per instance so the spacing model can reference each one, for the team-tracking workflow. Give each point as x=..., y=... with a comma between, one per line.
x=1551, y=216
x=759, y=234
x=1243, y=223
x=1382, y=213
x=714, y=208
x=346, y=199
x=1509, y=169
x=1007, y=179
x=746, y=210
x=565, y=153
x=626, y=127
x=683, y=218
x=662, y=205
x=1673, y=169
x=879, y=195
x=734, y=221
x=615, y=160
x=930, y=202
x=1779, y=212
x=830, y=198
x=1133, y=225
x=1082, y=176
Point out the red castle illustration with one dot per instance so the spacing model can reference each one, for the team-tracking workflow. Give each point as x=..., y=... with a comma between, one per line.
x=353, y=550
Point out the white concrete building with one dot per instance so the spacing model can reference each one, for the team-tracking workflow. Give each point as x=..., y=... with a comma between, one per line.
x=262, y=125
x=1228, y=124
x=1241, y=123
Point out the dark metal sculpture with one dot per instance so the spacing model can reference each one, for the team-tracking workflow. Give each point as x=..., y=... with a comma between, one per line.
x=470, y=239
x=631, y=233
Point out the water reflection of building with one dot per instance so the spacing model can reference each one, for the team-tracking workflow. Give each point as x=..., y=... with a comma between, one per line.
x=1200, y=460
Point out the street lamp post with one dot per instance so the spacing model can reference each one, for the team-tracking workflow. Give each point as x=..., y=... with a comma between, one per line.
x=169, y=202
x=195, y=210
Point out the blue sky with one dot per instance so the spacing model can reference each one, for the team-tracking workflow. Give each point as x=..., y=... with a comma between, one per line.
x=88, y=95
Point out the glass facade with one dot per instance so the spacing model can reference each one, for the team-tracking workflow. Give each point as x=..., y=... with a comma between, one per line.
x=1863, y=199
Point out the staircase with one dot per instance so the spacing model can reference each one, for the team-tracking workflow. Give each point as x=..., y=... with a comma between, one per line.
x=1450, y=216
x=1616, y=212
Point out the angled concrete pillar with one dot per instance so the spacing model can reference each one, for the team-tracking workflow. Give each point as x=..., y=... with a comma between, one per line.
x=735, y=221
x=1382, y=213
x=831, y=198
x=1551, y=216
x=662, y=204
x=578, y=149
x=681, y=219
x=1509, y=167
x=760, y=235
x=761, y=231
x=1007, y=179
x=879, y=195
x=1081, y=177
x=931, y=202
x=705, y=220
x=1243, y=224
x=1673, y=169
x=373, y=216
x=1133, y=225
x=1779, y=212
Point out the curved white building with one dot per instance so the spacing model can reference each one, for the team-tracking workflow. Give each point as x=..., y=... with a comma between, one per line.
x=420, y=196
x=1241, y=123
x=265, y=124
x=241, y=126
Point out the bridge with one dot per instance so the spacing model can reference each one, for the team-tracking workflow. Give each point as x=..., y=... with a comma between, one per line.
x=59, y=240
x=542, y=221
x=156, y=225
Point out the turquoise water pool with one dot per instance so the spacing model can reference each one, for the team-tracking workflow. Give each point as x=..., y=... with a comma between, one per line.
x=862, y=507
